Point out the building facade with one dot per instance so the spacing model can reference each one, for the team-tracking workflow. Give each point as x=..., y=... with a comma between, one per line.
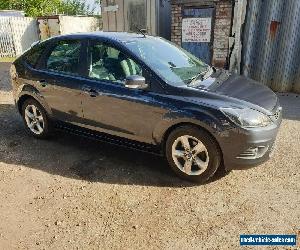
x=209, y=42
x=154, y=16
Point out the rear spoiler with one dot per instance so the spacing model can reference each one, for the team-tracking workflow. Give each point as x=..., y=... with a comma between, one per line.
x=35, y=43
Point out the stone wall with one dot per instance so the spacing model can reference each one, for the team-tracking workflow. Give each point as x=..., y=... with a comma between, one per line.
x=221, y=26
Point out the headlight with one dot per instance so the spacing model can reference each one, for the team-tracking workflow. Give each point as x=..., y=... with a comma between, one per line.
x=247, y=118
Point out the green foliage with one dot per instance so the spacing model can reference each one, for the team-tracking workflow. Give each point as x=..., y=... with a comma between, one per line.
x=49, y=7
x=33, y=7
x=75, y=7
x=4, y=4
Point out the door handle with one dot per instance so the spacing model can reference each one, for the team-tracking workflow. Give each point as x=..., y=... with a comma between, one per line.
x=91, y=92
x=43, y=83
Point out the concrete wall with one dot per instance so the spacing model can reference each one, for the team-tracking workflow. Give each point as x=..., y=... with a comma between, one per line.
x=50, y=26
x=75, y=24
x=221, y=28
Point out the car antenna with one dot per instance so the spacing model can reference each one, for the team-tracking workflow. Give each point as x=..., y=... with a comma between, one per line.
x=142, y=31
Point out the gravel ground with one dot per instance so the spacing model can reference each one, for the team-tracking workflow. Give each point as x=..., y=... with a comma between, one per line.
x=71, y=192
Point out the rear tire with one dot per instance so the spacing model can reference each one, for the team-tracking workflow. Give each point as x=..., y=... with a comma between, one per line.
x=193, y=154
x=35, y=119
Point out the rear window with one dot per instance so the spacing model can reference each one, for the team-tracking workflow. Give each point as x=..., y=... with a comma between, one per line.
x=34, y=54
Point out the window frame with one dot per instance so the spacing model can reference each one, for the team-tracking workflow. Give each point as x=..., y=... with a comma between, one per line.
x=156, y=84
x=113, y=45
x=42, y=65
x=38, y=47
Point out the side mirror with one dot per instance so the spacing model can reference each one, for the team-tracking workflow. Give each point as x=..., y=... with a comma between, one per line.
x=136, y=82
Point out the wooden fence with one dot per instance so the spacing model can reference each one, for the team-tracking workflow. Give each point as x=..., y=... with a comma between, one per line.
x=16, y=35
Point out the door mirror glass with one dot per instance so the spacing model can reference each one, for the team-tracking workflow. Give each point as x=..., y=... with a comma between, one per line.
x=136, y=82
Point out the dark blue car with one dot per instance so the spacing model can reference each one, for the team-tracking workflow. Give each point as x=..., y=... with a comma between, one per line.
x=145, y=92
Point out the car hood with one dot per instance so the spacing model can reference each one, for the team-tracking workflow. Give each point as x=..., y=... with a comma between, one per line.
x=237, y=88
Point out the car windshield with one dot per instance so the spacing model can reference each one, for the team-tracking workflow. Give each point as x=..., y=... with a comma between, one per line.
x=173, y=64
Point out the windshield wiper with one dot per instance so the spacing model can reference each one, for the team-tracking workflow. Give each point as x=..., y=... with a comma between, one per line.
x=201, y=76
x=195, y=78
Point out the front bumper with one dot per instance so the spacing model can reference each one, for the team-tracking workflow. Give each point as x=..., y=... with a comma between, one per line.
x=244, y=148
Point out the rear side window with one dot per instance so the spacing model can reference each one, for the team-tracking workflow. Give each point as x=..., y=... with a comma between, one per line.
x=65, y=57
x=33, y=55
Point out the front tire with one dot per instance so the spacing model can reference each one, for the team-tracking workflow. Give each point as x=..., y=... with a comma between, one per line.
x=35, y=119
x=193, y=154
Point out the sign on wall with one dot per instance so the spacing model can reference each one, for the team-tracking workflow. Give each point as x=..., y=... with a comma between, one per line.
x=196, y=30
x=111, y=8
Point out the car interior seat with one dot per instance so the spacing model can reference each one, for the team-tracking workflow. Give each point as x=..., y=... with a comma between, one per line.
x=97, y=66
x=128, y=66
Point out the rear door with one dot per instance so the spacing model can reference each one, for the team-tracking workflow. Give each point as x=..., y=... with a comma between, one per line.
x=197, y=32
x=60, y=80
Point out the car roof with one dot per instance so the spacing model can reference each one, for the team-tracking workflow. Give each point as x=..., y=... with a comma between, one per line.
x=122, y=37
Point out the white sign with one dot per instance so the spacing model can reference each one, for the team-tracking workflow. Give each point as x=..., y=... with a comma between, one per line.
x=111, y=8
x=195, y=30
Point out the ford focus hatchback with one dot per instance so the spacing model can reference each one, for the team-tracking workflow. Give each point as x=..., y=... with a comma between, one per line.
x=144, y=92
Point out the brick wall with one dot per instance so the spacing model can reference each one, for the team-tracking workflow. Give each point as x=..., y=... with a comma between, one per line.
x=176, y=24
x=221, y=28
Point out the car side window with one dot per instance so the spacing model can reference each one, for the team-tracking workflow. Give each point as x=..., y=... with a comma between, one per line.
x=109, y=63
x=65, y=57
x=33, y=55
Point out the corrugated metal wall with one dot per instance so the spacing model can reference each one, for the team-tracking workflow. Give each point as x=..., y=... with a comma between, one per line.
x=271, y=43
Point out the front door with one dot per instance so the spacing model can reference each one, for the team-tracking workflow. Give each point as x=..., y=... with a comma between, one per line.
x=197, y=32
x=109, y=106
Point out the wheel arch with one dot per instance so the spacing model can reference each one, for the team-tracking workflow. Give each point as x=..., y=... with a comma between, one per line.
x=190, y=124
x=184, y=124
x=216, y=151
x=30, y=95
x=21, y=101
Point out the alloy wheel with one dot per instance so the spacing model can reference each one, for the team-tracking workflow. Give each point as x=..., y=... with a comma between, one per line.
x=190, y=155
x=34, y=119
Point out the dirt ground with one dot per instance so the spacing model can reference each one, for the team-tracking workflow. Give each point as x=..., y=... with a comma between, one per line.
x=74, y=193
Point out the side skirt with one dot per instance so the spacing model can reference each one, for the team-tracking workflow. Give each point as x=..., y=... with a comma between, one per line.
x=115, y=140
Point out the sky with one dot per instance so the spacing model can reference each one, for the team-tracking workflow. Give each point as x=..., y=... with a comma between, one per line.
x=92, y=3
